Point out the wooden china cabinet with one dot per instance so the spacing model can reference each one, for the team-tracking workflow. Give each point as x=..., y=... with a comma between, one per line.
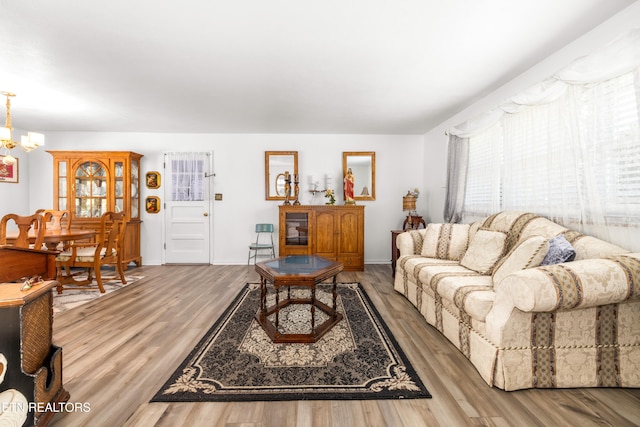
x=335, y=232
x=90, y=183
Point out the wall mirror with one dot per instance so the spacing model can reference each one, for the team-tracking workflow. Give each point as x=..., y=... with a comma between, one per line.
x=276, y=163
x=363, y=168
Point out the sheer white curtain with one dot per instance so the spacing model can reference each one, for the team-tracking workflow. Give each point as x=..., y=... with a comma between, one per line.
x=619, y=57
x=568, y=148
x=187, y=175
x=483, y=194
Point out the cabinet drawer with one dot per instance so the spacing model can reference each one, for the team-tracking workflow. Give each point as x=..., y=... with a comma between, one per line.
x=352, y=263
x=293, y=250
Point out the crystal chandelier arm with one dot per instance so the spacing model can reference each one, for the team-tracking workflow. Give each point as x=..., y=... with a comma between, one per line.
x=28, y=142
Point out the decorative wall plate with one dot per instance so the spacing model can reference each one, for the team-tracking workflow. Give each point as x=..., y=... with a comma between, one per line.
x=152, y=204
x=153, y=180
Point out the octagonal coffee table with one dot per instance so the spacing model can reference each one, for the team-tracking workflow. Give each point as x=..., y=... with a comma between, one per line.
x=303, y=271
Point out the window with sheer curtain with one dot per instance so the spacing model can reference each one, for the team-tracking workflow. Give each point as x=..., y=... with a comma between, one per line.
x=187, y=175
x=567, y=148
x=576, y=159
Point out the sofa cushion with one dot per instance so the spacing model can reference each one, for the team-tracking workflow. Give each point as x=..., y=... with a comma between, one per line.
x=588, y=247
x=428, y=274
x=527, y=254
x=485, y=250
x=469, y=294
x=560, y=250
x=412, y=265
x=446, y=241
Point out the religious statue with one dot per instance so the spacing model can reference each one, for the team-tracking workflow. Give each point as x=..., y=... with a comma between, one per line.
x=349, y=184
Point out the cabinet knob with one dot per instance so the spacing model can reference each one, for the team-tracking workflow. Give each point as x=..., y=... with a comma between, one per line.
x=206, y=214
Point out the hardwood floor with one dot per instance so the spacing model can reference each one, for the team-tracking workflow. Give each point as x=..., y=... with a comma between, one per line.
x=121, y=348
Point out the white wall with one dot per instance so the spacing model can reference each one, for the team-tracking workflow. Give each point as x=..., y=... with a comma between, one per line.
x=14, y=196
x=403, y=162
x=239, y=167
x=435, y=153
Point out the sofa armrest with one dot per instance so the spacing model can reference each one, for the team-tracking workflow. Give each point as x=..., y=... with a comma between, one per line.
x=578, y=284
x=410, y=242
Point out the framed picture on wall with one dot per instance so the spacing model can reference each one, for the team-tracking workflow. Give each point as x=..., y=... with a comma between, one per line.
x=8, y=173
x=153, y=180
x=152, y=204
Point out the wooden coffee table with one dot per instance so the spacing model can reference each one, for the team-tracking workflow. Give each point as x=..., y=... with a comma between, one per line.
x=297, y=270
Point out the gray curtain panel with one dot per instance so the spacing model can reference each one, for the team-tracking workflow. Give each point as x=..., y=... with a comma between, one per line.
x=458, y=159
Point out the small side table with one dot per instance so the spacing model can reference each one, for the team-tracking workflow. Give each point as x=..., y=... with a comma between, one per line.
x=395, y=253
x=414, y=224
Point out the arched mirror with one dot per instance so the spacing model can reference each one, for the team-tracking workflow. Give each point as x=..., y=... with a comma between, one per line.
x=363, y=173
x=276, y=165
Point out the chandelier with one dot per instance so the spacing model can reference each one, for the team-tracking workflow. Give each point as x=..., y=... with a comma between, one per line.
x=27, y=142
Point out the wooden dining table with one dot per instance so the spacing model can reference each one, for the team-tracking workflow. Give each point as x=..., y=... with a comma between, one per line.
x=52, y=238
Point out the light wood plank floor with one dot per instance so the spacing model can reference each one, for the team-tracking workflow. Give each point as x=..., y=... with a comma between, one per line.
x=121, y=348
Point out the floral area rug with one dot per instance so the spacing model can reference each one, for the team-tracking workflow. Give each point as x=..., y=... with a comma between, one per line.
x=236, y=361
x=75, y=297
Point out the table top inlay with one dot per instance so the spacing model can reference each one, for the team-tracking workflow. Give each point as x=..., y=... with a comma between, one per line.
x=299, y=269
x=298, y=264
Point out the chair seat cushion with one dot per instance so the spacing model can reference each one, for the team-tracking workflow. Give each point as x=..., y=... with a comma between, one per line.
x=83, y=254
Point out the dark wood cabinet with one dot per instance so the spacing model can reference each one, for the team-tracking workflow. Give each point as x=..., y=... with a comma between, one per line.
x=33, y=363
x=334, y=232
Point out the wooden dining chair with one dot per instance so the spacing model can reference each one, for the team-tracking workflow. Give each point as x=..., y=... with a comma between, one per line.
x=57, y=219
x=107, y=249
x=30, y=228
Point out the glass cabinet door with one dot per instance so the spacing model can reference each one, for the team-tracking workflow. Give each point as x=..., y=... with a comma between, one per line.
x=62, y=185
x=297, y=224
x=119, y=183
x=135, y=188
x=91, y=190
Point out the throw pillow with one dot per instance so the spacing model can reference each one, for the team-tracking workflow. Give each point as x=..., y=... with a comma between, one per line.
x=527, y=254
x=446, y=241
x=485, y=250
x=560, y=250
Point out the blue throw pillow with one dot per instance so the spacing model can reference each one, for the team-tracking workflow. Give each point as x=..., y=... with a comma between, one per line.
x=560, y=250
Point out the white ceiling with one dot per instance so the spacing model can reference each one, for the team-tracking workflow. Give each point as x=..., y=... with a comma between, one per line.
x=279, y=66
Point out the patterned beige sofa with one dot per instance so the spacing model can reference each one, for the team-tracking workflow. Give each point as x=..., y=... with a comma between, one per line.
x=573, y=324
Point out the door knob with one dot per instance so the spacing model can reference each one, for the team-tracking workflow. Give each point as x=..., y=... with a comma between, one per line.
x=206, y=214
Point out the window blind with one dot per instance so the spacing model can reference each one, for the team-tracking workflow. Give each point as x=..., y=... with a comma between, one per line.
x=576, y=158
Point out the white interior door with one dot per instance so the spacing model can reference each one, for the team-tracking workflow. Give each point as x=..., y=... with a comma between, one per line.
x=187, y=208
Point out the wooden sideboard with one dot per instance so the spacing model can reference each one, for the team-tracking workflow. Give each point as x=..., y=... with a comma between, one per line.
x=334, y=232
x=16, y=263
x=34, y=364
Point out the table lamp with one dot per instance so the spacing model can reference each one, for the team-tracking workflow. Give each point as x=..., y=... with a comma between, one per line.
x=409, y=204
